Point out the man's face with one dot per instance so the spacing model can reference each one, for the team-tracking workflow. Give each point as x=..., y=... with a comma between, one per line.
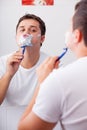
x=30, y=26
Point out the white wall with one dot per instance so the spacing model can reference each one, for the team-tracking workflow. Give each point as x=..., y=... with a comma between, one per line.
x=56, y=17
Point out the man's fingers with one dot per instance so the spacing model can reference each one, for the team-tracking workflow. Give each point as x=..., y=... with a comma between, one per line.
x=49, y=63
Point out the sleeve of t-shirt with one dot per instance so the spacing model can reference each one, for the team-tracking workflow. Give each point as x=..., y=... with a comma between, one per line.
x=2, y=65
x=49, y=100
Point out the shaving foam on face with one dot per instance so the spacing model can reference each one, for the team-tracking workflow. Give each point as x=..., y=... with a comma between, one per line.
x=25, y=40
x=39, y=35
x=67, y=37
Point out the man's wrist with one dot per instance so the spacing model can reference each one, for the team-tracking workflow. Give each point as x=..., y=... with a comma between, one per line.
x=8, y=75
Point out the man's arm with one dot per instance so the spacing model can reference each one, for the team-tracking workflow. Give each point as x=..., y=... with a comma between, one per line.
x=29, y=120
x=12, y=66
x=33, y=122
x=4, y=83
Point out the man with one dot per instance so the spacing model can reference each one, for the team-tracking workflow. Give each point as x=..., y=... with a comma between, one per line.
x=18, y=71
x=63, y=94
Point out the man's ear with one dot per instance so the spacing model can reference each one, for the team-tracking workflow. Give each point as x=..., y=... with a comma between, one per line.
x=42, y=38
x=77, y=36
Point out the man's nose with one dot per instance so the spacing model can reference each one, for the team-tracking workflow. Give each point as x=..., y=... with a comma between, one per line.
x=27, y=31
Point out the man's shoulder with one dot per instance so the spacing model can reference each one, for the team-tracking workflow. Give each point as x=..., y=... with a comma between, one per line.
x=42, y=57
x=44, y=54
x=4, y=57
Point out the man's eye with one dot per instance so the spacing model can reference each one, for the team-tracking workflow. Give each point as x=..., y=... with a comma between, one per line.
x=22, y=30
x=33, y=30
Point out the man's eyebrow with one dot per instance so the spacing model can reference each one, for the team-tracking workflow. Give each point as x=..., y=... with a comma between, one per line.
x=31, y=26
x=21, y=26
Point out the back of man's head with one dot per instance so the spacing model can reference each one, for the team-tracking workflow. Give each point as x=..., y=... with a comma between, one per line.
x=80, y=19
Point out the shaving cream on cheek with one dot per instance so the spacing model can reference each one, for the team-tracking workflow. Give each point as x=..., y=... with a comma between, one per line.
x=25, y=40
x=66, y=37
x=36, y=37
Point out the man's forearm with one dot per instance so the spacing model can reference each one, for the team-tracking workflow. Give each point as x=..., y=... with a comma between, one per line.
x=4, y=84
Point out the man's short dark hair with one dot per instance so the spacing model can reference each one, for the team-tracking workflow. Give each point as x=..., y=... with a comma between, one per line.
x=80, y=18
x=34, y=17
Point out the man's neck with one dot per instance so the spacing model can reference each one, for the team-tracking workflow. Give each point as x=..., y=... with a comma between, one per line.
x=30, y=60
x=81, y=51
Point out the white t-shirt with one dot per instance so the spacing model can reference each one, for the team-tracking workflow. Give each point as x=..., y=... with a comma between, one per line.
x=19, y=93
x=63, y=96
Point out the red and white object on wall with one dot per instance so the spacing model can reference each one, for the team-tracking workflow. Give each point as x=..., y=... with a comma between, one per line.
x=37, y=2
x=27, y=2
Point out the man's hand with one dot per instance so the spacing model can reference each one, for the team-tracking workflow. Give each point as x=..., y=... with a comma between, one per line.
x=46, y=68
x=13, y=63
